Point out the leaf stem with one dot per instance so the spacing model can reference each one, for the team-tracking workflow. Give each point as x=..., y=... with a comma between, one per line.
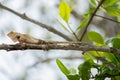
x=73, y=32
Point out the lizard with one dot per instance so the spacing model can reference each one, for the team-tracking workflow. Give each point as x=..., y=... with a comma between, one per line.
x=25, y=38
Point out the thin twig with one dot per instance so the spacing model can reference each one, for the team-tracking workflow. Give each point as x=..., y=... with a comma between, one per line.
x=62, y=46
x=25, y=17
x=90, y=20
x=70, y=57
x=73, y=32
x=48, y=59
x=107, y=18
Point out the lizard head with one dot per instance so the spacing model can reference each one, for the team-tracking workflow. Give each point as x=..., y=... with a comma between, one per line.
x=14, y=36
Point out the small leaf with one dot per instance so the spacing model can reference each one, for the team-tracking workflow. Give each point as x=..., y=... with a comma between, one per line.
x=84, y=22
x=73, y=77
x=72, y=71
x=91, y=10
x=118, y=36
x=93, y=2
x=109, y=2
x=64, y=11
x=88, y=56
x=85, y=68
x=99, y=78
x=105, y=70
x=109, y=56
x=113, y=11
x=96, y=37
x=116, y=43
x=62, y=67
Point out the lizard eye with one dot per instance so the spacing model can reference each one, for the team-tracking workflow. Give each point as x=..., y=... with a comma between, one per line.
x=18, y=37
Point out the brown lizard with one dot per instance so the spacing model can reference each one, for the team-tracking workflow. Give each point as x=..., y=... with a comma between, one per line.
x=25, y=38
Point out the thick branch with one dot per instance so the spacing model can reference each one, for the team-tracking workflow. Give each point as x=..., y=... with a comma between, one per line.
x=23, y=16
x=61, y=46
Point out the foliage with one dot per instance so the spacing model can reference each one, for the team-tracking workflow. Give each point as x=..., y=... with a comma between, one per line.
x=71, y=75
x=84, y=22
x=64, y=11
x=109, y=66
x=62, y=67
x=95, y=37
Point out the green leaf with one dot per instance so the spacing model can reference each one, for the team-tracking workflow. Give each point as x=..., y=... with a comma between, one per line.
x=91, y=10
x=84, y=69
x=109, y=2
x=116, y=43
x=117, y=77
x=99, y=78
x=118, y=36
x=93, y=2
x=73, y=77
x=64, y=11
x=84, y=22
x=72, y=71
x=64, y=27
x=105, y=70
x=62, y=67
x=109, y=56
x=113, y=11
x=96, y=37
x=88, y=56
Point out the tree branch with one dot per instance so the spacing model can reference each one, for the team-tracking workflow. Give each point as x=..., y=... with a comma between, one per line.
x=25, y=17
x=61, y=46
x=107, y=18
x=90, y=20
